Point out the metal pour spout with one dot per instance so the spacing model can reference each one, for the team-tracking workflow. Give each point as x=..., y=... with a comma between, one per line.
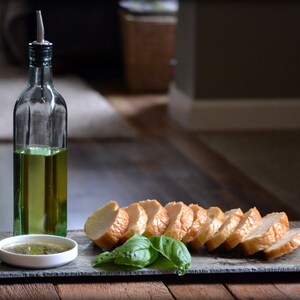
x=40, y=33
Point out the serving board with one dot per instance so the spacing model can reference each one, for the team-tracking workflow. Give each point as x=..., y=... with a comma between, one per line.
x=203, y=262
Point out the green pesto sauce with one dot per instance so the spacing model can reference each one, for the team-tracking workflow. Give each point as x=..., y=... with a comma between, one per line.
x=37, y=248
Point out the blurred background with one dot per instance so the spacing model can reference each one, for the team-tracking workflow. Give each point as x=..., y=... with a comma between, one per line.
x=97, y=39
x=199, y=83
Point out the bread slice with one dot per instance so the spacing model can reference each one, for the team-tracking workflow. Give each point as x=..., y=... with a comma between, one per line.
x=232, y=219
x=181, y=219
x=137, y=221
x=158, y=218
x=107, y=225
x=200, y=216
x=249, y=221
x=212, y=225
x=287, y=244
x=270, y=229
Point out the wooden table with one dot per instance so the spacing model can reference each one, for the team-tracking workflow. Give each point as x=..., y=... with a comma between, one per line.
x=287, y=287
x=150, y=290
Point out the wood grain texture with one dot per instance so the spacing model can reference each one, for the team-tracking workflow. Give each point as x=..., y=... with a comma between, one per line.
x=117, y=290
x=291, y=290
x=41, y=291
x=256, y=291
x=199, y=291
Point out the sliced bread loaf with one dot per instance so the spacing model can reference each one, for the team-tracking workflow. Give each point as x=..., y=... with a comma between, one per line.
x=200, y=216
x=287, y=244
x=180, y=219
x=248, y=222
x=212, y=225
x=137, y=221
x=270, y=229
x=232, y=219
x=158, y=218
x=107, y=225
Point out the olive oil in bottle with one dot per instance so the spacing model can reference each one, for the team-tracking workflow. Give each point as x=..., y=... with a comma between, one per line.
x=40, y=148
x=42, y=184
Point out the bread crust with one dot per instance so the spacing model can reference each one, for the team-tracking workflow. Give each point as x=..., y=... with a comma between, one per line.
x=180, y=219
x=285, y=245
x=217, y=218
x=248, y=222
x=257, y=242
x=232, y=219
x=115, y=225
x=137, y=221
x=158, y=218
x=200, y=216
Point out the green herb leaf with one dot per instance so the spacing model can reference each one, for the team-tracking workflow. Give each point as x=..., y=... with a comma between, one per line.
x=140, y=252
x=104, y=258
x=173, y=250
x=162, y=263
x=137, y=252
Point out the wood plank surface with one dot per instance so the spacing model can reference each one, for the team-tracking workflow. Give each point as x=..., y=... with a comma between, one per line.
x=261, y=291
x=291, y=290
x=115, y=290
x=41, y=291
x=199, y=291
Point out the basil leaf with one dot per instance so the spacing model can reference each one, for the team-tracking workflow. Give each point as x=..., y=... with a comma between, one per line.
x=174, y=250
x=136, y=252
x=162, y=263
x=104, y=258
x=140, y=252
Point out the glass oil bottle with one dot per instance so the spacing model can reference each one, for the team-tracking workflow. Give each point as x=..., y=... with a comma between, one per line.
x=40, y=148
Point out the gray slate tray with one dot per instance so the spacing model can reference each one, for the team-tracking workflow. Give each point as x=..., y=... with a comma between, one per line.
x=202, y=263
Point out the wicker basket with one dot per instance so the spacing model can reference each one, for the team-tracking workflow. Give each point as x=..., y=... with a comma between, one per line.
x=148, y=46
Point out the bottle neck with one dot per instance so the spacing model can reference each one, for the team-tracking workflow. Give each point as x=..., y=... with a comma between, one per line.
x=40, y=64
x=41, y=76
